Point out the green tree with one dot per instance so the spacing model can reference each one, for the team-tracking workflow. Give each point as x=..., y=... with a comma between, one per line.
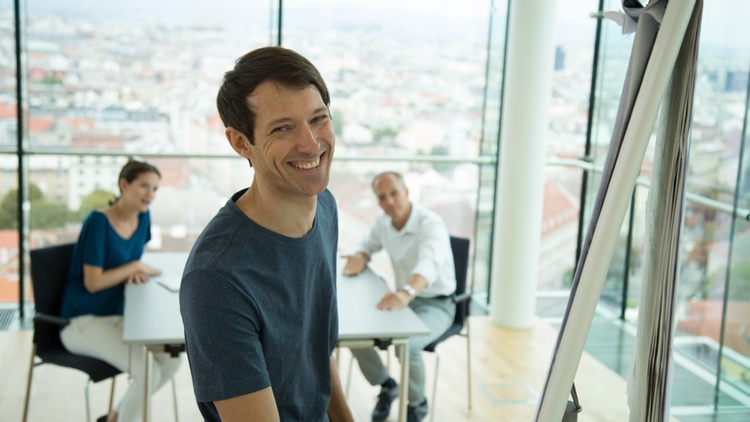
x=44, y=214
x=441, y=151
x=9, y=210
x=97, y=199
x=48, y=215
x=384, y=135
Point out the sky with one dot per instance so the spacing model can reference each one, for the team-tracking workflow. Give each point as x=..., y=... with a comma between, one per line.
x=726, y=18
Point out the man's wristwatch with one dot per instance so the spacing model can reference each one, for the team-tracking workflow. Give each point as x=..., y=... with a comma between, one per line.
x=410, y=290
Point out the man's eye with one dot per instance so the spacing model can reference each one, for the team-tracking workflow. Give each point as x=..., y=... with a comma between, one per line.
x=280, y=129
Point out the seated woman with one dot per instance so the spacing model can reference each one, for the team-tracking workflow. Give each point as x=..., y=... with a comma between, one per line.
x=106, y=257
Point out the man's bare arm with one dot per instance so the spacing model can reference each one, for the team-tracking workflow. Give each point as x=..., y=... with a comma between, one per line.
x=258, y=406
x=338, y=410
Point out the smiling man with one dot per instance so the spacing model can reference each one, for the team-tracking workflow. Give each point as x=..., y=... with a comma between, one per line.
x=258, y=294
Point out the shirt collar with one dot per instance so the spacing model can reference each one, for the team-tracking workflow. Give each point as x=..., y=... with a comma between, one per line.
x=411, y=225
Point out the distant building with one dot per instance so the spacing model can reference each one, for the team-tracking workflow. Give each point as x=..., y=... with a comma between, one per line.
x=559, y=58
x=8, y=265
x=736, y=81
x=89, y=173
x=559, y=235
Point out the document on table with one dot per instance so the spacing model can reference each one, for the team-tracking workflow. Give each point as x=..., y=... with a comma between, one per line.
x=169, y=282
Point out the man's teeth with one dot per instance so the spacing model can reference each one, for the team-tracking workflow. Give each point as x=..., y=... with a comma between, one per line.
x=307, y=166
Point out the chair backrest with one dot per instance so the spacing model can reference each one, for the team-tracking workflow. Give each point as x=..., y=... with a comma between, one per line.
x=460, y=248
x=49, y=269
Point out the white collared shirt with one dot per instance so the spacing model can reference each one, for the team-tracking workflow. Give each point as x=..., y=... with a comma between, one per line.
x=421, y=247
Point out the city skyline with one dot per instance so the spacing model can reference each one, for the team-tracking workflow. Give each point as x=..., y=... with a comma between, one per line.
x=152, y=87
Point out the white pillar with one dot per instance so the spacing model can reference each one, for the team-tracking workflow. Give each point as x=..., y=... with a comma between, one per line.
x=520, y=182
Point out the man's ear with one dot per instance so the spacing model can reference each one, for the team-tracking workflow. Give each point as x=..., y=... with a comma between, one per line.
x=239, y=142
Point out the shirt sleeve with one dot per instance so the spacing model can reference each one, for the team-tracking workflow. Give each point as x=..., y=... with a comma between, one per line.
x=93, y=239
x=222, y=334
x=433, y=235
x=373, y=241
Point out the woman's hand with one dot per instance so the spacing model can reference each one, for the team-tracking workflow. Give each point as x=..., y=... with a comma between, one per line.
x=137, y=278
x=142, y=274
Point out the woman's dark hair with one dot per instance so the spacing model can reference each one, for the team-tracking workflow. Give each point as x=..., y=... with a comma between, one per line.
x=276, y=64
x=132, y=169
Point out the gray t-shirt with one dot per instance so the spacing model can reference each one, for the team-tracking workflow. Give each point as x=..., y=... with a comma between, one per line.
x=260, y=310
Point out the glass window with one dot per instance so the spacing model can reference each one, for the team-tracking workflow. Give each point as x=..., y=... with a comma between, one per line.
x=407, y=80
x=9, y=286
x=117, y=79
x=709, y=304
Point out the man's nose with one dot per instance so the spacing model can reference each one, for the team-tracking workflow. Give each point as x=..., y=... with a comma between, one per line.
x=308, y=142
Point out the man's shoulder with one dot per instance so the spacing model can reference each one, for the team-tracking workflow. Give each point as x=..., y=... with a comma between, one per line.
x=326, y=197
x=327, y=203
x=216, y=238
x=427, y=215
x=227, y=215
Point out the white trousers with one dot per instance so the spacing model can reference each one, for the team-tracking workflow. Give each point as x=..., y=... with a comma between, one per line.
x=101, y=338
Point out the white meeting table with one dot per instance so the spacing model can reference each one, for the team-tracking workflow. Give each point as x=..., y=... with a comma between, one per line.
x=152, y=317
x=361, y=324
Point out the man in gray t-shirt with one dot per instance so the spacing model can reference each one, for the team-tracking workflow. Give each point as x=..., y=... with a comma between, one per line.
x=253, y=319
x=258, y=295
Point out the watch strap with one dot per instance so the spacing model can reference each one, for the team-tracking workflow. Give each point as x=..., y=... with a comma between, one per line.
x=410, y=290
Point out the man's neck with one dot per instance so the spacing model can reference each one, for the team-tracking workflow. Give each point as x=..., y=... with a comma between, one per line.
x=399, y=224
x=291, y=216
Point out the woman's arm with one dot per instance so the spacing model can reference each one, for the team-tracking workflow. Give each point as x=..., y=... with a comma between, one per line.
x=95, y=279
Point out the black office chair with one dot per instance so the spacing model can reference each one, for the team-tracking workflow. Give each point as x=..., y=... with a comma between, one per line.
x=49, y=268
x=461, y=298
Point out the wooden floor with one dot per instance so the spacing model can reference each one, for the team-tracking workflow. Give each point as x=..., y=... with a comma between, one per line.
x=508, y=372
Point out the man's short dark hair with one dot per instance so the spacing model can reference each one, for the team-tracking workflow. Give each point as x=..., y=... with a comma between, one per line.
x=276, y=64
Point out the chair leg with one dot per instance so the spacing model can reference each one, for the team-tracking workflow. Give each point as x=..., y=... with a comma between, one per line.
x=434, y=385
x=349, y=375
x=468, y=360
x=28, y=384
x=174, y=400
x=111, y=396
x=88, y=401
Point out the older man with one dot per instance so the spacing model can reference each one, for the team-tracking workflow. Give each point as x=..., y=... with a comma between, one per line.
x=418, y=244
